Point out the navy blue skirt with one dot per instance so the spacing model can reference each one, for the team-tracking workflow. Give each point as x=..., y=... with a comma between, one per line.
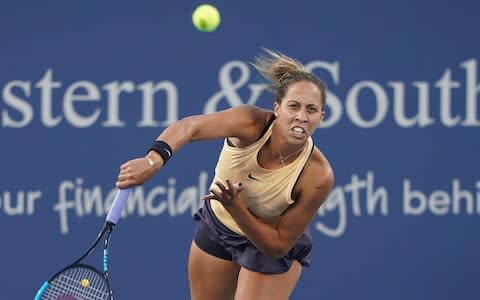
x=213, y=237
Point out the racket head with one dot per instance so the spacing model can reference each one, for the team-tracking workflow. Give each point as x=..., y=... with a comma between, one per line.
x=77, y=282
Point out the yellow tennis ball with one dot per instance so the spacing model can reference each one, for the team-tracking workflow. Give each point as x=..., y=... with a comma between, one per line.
x=206, y=18
x=85, y=282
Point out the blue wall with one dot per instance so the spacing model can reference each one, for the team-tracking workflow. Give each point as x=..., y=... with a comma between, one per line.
x=79, y=84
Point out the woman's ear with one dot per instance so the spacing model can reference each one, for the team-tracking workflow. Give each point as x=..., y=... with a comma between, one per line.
x=276, y=107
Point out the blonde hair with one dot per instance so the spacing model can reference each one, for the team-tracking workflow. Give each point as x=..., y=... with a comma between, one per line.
x=281, y=71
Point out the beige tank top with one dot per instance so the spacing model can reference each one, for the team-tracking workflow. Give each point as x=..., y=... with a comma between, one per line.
x=266, y=193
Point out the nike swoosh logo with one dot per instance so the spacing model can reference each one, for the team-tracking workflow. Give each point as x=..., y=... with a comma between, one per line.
x=251, y=177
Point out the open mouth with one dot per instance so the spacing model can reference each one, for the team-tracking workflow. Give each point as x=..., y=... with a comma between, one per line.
x=298, y=130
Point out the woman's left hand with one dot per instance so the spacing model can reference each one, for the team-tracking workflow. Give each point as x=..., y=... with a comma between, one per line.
x=225, y=194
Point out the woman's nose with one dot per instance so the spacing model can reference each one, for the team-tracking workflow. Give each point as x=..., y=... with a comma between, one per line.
x=301, y=116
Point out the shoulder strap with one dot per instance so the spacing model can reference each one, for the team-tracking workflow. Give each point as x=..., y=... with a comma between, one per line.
x=269, y=123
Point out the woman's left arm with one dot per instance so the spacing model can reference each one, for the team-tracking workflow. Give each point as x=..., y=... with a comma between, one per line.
x=314, y=186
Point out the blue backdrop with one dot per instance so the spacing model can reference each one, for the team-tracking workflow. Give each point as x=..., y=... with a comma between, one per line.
x=87, y=85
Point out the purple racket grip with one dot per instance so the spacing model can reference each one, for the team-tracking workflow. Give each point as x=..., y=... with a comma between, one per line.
x=118, y=204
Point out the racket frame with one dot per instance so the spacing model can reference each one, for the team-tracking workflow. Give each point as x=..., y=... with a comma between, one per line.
x=113, y=217
x=107, y=229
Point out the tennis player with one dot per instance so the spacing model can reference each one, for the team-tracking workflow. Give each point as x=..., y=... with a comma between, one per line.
x=252, y=238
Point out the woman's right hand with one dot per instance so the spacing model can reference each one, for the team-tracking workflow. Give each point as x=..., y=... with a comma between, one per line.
x=135, y=172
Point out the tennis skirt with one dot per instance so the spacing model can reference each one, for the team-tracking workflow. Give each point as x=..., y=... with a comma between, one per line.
x=213, y=237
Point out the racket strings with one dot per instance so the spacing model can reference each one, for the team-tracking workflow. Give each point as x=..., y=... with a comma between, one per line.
x=77, y=283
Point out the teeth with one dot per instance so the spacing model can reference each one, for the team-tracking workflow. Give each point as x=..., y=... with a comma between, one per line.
x=298, y=129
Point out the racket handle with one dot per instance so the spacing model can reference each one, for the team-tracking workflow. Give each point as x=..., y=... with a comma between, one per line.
x=117, y=206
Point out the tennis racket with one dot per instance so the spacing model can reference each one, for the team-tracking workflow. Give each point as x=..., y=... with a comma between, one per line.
x=80, y=281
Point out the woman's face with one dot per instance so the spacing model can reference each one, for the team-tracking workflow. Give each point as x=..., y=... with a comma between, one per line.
x=300, y=111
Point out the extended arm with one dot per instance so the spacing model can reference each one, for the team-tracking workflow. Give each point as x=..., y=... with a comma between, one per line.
x=242, y=122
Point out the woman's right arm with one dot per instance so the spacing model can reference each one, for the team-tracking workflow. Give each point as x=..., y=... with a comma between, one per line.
x=243, y=122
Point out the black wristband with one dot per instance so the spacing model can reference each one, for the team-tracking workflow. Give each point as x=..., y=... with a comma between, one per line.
x=163, y=149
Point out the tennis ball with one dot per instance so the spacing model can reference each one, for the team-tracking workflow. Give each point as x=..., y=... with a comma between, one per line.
x=85, y=282
x=206, y=18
